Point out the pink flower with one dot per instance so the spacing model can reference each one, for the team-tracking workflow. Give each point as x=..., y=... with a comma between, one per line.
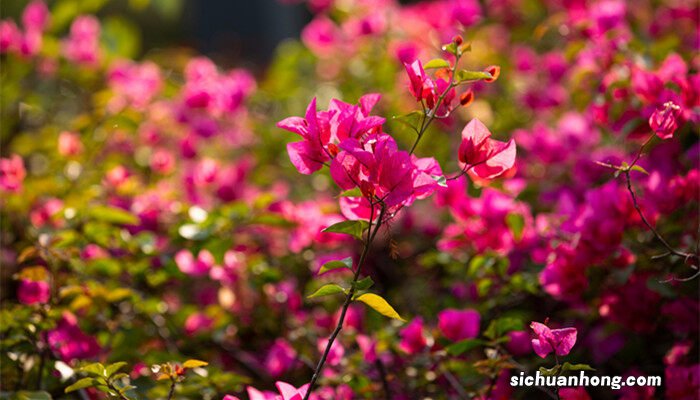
x=46, y=213
x=116, y=177
x=12, y=173
x=162, y=161
x=368, y=347
x=195, y=267
x=83, y=43
x=280, y=358
x=255, y=394
x=380, y=170
x=197, y=322
x=573, y=393
x=412, y=339
x=458, y=325
x=335, y=356
x=321, y=36
x=35, y=16
x=10, y=36
x=134, y=85
x=559, y=341
x=33, y=292
x=664, y=121
x=69, y=144
x=93, y=252
x=324, y=131
x=421, y=86
x=70, y=342
x=482, y=156
x=519, y=343
x=30, y=43
x=289, y=392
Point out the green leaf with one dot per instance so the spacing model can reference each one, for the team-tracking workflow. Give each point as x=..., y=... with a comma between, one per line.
x=501, y=326
x=550, y=371
x=113, y=368
x=516, y=223
x=464, y=346
x=378, y=304
x=25, y=395
x=352, y=228
x=113, y=215
x=451, y=48
x=81, y=384
x=576, y=367
x=335, y=264
x=640, y=169
x=326, y=290
x=194, y=364
x=467, y=76
x=436, y=63
x=364, y=283
x=440, y=179
x=94, y=369
x=354, y=192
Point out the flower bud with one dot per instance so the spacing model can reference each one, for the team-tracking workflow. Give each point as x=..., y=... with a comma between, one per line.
x=495, y=71
x=466, y=98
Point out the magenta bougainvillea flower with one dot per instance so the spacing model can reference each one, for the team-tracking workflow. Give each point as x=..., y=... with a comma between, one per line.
x=423, y=88
x=664, y=120
x=69, y=144
x=280, y=358
x=33, y=292
x=381, y=171
x=12, y=173
x=482, y=156
x=459, y=324
x=412, y=339
x=83, y=43
x=69, y=342
x=324, y=131
x=196, y=267
x=559, y=341
x=286, y=392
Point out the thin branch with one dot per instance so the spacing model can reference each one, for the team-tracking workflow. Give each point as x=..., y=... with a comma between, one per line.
x=348, y=299
x=658, y=236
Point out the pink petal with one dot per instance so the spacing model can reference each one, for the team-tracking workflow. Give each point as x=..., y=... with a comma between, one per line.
x=564, y=340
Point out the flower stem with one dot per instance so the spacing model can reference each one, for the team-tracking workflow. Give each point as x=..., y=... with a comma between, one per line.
x=656, y=233
x=431, y=114
x=348, y=299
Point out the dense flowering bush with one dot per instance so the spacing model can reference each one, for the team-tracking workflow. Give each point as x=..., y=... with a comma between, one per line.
x=159, y=241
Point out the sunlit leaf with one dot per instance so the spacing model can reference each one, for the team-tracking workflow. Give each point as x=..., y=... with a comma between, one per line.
x=352, y=228
x=378, y=304
x=336, y=264
x=194, y=364
x=81, y=384
x=326, y=290
x=436, y=63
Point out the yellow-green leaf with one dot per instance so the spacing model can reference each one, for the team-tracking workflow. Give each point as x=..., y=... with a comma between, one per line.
x=326, y=290
x=436, y=63
x=81, y=384
x=378, y=304
x=194, y=364
x=353, y=228
x=335, y=264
